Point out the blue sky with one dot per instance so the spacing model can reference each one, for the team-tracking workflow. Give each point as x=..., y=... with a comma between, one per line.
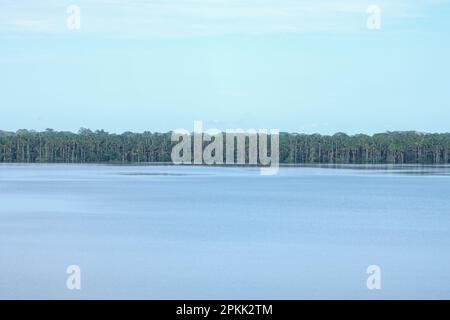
x=303, y=66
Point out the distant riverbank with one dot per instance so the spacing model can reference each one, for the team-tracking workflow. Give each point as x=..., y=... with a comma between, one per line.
x=86, y=146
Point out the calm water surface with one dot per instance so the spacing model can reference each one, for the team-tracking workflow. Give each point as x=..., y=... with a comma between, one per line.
x=165, y=232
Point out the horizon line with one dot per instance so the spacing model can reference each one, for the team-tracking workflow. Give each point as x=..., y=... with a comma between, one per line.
x=83, y=130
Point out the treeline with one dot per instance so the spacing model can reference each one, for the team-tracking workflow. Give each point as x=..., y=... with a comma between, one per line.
x=102, y=147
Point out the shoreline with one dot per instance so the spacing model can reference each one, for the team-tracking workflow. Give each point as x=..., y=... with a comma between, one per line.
x=284, y=165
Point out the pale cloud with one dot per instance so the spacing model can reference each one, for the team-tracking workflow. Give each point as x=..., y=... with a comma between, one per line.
x=34, y=25
x=162, y=18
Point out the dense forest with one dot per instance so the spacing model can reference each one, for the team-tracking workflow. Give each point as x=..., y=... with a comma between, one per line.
x=97, y=147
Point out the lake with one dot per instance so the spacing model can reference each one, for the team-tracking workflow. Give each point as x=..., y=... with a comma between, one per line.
x=180, y=232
